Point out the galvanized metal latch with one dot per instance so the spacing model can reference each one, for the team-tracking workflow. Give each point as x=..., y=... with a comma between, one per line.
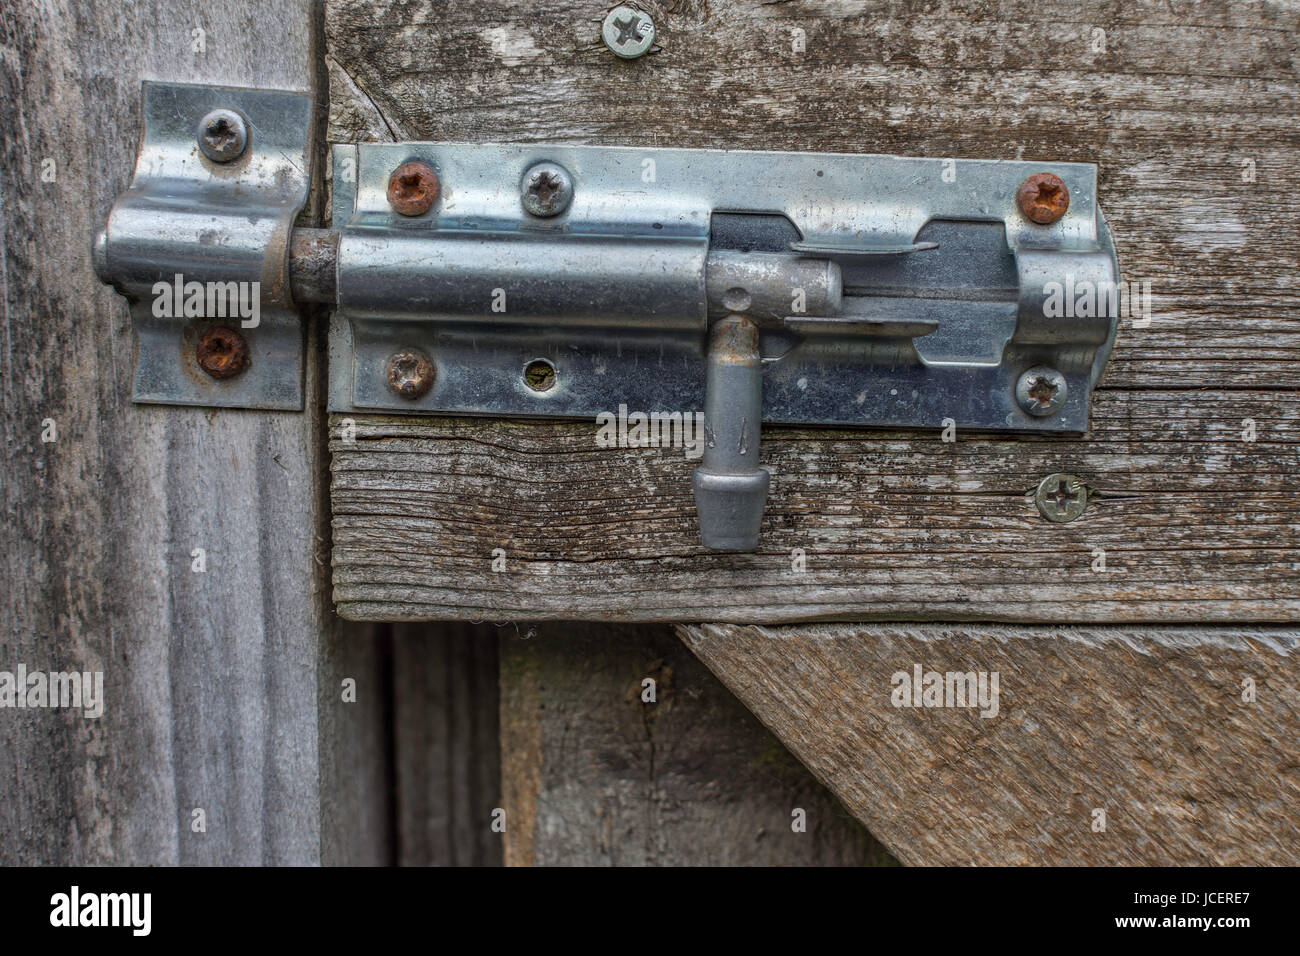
x=199, y=245
x=571, y=281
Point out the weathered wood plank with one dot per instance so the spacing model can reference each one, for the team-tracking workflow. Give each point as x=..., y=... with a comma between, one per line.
x=1197, y=523
x=1169, y=100
x=1154, y=728
x=223, y=688
x=446, y=744
x=358, y=826
x=594, y=775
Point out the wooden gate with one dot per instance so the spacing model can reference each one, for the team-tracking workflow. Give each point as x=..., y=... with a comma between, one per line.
x=258, y=591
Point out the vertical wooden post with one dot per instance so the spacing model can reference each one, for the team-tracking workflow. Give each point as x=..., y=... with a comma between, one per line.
x=180, y=551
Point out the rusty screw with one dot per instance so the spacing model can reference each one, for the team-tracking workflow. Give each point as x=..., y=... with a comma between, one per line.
x=412, y=189
x=1043, y=198
x=222, y=352
x=410, y=373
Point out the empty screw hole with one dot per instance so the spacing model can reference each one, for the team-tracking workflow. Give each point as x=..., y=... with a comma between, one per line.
x=539, y=375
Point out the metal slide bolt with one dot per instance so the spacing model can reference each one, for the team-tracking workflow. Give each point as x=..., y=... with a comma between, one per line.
x=730, y=487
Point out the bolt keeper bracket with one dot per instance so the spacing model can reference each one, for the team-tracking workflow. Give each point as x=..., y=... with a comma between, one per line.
x=212, y=223
x=762, y=287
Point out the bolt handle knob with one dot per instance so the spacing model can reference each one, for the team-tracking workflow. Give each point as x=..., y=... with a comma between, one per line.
x=730, y=487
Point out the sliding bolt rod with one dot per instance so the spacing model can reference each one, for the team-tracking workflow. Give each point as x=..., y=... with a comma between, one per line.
x=730, y=487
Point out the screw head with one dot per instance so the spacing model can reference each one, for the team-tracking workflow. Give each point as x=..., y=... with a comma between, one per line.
x=409, y=373
x=1041, y=391
x=546, y=190
x=412, y=189
x=222, y=352
x=1061, y=497
x=628, y=33
x=222, y=135
x=1043, y=198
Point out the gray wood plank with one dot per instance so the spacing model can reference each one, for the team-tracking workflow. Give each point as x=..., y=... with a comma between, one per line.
x=1108, y=745
x=592, y=774
x=223, y=688
x=1196, y=522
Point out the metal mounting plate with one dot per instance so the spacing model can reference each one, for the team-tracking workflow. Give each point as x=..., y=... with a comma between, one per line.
x=932, y=332
x=185, y=215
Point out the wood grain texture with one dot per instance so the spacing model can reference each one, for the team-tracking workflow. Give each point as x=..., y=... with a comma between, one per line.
x=1148, y=725
x=1197, y=523
x=595, y=776
x=223, y=688
x=446, y=754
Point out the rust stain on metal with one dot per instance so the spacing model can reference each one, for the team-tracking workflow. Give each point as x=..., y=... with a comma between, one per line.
x=1043, y=198
x=409, y=373
x=222, y=352
x=735, y=341
x=313, y=258
x=275, y=267
x=1042, y=391
x=412, y=189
